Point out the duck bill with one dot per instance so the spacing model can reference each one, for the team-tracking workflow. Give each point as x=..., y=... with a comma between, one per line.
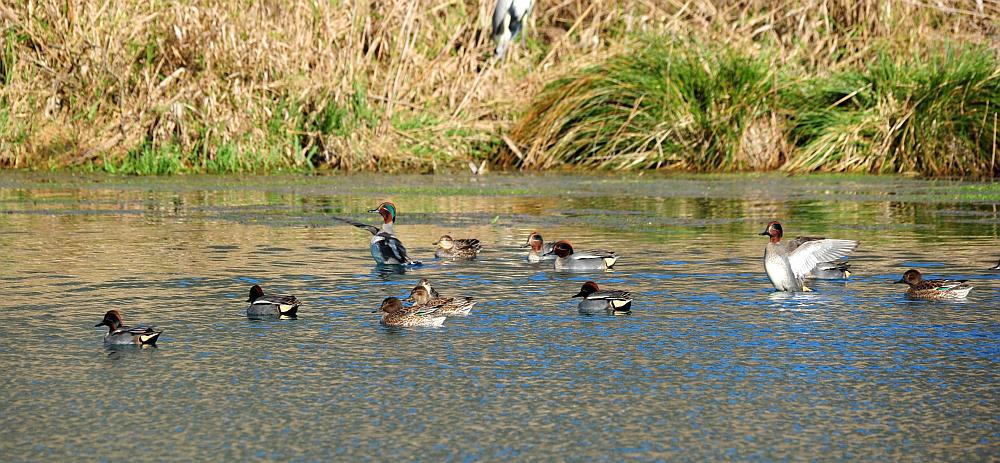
x=373, y=210
x=435, y=243
x=548, y=253
x=579, y=294
x=100, y=324
x=764, y=233
x=526, y=245
x=899, y=281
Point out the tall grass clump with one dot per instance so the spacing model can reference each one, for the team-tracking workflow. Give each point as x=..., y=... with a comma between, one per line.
x=934, y=114
x=670, y=105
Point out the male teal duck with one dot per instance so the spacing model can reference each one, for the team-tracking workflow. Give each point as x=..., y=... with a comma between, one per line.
x=385, y=248
x=539, y=250
x=270, y=305
x=788, y=263
x=919, y=288
x=119, y=334
x=440, y=305
x=394, y=314
x=596, y=300
x=567, y=259
x=464, y=249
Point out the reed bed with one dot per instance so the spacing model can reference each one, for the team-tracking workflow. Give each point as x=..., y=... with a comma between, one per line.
x=391, y=85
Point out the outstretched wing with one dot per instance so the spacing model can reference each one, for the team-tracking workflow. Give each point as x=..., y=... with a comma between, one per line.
x=800, y=240
x=373, y=229
x=805, y=257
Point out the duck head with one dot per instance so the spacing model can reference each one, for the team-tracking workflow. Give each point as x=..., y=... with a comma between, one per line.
x=255, y=293
x=911, y=277
x=587, y=289
x=445, y=242
x=112, y=319
x=534, y=242
x=390, y=305
x=419, y=295
x=387, y=210
x=774, y=231
x=425, y=283
x=561, y=249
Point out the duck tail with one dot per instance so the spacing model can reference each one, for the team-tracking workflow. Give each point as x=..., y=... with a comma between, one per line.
x=288, y=310
x=149, y=339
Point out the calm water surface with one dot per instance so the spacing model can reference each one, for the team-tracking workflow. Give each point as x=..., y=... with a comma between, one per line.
x=712, y=364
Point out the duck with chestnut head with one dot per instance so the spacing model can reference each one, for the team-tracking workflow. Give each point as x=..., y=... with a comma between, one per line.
x=119, y=334
x=788, y=263
x=271, y=305
x=539, y=249
x=596, y=300
x=568, y=259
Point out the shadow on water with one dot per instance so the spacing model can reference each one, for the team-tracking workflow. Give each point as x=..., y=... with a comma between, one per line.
x=710, y=364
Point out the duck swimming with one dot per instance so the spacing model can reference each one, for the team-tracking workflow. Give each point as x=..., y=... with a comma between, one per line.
x=597, y=300
x=539, y=250
x=449, y=248
x=119, y=334
x=263, y=305
x=566, y=259
x=440, y=305
x=919, y=288
x=394, y=314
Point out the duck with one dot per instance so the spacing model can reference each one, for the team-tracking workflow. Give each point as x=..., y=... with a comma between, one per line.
x=394, y=314
x=449, y=248
x=919, y=288
x=264, y=305
x=835, y=270
x=443, y=306
x=427, y=285
x=788, y=263
x=566, y=259
x=595, y=300
x=386, y=249
x=539, y=250
x=119, y=334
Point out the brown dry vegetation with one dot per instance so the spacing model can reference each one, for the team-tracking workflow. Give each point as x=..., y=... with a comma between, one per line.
x=374, y=85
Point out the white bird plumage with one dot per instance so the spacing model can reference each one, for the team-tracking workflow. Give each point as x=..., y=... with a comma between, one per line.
x=508, y=20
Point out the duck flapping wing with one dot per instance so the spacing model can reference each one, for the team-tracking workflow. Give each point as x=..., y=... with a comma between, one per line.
x=806, y=254
x=371, y=228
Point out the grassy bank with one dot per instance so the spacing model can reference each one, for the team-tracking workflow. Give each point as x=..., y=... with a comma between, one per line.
x=688, y=106
x=221, y=86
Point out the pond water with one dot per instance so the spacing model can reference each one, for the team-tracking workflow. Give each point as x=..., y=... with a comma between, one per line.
x=711, y=364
